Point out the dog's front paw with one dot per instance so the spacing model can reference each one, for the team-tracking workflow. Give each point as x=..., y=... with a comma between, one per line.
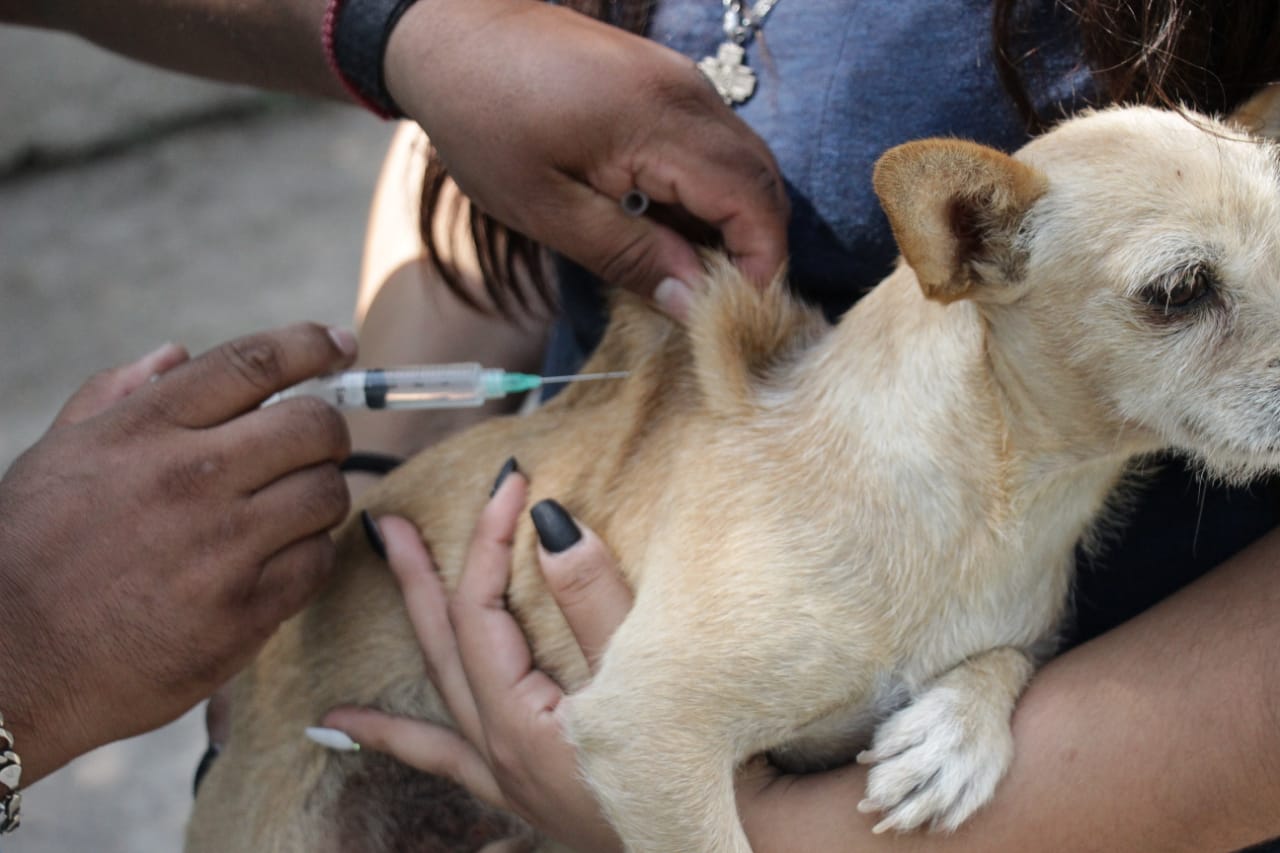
x=936, y=761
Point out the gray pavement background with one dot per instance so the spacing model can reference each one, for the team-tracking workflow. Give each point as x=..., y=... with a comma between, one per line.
x=138, y=207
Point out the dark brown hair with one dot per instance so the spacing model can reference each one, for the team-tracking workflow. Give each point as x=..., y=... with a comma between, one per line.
x=1206, y=54
x=1210, y=55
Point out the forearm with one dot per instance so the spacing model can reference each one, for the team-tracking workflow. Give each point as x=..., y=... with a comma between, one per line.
x=274, y=44
x=1161, y=735
x=415, y=320
x=407, y=315
x=35, y=707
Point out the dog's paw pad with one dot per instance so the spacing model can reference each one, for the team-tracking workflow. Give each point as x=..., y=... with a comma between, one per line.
x=935, y=762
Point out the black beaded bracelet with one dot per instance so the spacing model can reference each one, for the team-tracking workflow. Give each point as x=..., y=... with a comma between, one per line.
x=356, y=33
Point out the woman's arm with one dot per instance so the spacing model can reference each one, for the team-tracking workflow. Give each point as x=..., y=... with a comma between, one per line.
x=1163, y=734
x=274, y=44
x=405, y=314
x=545, y=117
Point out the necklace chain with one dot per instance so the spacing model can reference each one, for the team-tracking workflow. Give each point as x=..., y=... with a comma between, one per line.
x=741, y=21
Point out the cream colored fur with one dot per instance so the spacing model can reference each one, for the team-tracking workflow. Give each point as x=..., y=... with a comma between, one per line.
x=840, y=539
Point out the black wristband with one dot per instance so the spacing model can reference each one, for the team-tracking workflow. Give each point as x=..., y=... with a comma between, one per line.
x=361, y=31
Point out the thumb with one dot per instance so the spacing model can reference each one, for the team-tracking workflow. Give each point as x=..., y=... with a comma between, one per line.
x=108, y=387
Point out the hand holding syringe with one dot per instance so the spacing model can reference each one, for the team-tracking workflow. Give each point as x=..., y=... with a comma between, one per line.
x=434, y=386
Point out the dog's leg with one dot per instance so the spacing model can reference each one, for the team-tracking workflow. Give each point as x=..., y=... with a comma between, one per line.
x=658, y=747
x=666, y=787
x=938, y=760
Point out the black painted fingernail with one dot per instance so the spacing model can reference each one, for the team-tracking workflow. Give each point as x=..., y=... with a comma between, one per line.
x=557, y=530
x=206, y=761
x=507, y=467
x=373, y=534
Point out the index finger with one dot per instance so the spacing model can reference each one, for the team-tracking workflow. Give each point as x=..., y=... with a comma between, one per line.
x=493, y=649
x=239, y=375
x=425, y=599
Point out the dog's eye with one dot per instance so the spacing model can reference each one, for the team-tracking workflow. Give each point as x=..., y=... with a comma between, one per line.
x=1189, y=288
x=1181, y=290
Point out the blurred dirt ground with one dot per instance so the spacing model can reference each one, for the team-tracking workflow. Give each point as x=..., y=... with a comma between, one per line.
x=138, y=207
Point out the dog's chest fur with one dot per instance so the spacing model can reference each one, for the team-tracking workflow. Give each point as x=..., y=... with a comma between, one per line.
x=934, y=532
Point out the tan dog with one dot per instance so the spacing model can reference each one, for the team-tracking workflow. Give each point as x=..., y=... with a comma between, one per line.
x=839, y=538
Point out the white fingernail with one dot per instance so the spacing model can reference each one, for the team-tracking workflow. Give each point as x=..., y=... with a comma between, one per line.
x=343, y=339
x=159, y=351
x=673, y=296
x=332, y=739
x=165, y=350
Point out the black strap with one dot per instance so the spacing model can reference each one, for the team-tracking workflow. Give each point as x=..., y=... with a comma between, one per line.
x=360, y=37
x=370, y=463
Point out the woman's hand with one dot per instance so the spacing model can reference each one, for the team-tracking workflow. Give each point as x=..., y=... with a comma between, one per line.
x=509, y=749
x=546, y=118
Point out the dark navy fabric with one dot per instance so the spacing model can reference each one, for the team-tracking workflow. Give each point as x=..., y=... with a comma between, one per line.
x=841, y=81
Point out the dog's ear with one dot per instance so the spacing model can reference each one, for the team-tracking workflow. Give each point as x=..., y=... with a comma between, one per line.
x=1260, y=115
x=955, y=208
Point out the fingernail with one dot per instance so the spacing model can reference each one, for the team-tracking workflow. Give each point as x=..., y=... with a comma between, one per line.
x=373, y=534
x=556, y=528
x=332, y=739
x=343, y=339
x=158, y=356
x=673, y=296
x=202, y=769
x=507, y=467
x=160, y=351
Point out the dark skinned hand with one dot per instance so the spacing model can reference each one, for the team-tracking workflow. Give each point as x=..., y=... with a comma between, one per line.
x=159, y=532
x=546, y=118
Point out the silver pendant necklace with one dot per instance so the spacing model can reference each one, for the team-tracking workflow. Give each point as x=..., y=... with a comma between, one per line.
x=727, y=71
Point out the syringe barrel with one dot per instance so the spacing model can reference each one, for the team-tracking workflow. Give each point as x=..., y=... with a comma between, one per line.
x=439, y=386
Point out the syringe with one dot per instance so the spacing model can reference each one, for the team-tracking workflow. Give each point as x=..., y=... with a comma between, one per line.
x=432, y=386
